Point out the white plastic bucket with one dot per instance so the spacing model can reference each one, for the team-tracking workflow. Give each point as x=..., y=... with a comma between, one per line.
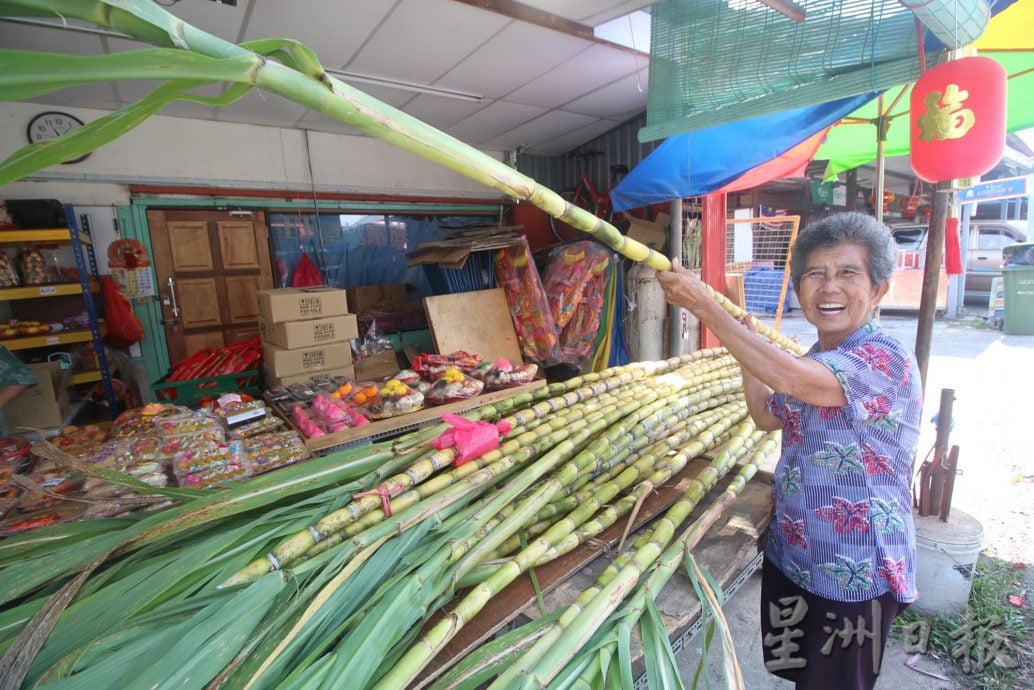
x=946, y=559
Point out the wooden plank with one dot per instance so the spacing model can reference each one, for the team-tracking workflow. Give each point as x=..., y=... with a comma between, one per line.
x=724, y=551
x=418, y=418
x=478, y=322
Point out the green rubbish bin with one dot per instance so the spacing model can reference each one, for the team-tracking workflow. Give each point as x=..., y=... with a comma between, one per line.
x=1018, y=279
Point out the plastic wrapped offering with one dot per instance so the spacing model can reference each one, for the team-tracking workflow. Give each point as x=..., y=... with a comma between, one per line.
x=395, y=398
x=453, y=385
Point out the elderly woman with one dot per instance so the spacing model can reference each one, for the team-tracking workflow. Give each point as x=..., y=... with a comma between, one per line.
x=840, y=554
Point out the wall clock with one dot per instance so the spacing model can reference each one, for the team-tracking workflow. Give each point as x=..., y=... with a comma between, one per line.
x=51, y=125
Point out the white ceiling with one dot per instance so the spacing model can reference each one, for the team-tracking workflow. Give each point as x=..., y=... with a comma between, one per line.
x=543, y=88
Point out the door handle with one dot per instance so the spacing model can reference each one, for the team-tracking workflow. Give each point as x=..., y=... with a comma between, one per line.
x=172, y=295
x=982, y=258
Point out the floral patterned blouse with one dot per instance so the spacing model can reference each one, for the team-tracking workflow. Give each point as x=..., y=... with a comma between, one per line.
x=843, y=526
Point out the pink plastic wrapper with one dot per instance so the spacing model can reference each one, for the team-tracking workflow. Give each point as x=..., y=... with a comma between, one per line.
x=471, y=439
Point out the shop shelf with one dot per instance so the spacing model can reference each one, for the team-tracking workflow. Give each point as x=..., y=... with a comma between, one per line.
x=44, y=235
x=86, y=377
x=36, y=291
x=49, y=339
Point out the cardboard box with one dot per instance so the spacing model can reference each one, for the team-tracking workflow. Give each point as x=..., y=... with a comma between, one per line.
x=306, y=360
x=298, y=304
x=380, y=298
x=271, y=380
x=378, y=366
x=651, y=233
x=43, y=405
x=292, y=335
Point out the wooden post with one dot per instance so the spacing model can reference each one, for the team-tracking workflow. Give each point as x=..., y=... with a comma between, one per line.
x=712, y=260
x=931, y=275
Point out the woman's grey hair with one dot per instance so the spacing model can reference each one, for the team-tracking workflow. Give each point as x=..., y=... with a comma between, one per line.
x=856, y=228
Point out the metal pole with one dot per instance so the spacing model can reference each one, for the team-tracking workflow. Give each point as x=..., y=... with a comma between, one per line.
x=881, y=138
x=675, y=335
x=931, y=276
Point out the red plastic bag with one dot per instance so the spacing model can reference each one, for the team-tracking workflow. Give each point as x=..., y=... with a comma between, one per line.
x=306, y=274
x=124, y=328
x=472, y=439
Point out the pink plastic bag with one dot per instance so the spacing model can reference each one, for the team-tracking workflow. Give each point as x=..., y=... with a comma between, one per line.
x=471, y=439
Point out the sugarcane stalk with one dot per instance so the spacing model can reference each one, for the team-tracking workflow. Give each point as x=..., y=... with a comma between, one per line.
x=554, y=649
x=617, y=440
x=678, y=428
x=674, y=555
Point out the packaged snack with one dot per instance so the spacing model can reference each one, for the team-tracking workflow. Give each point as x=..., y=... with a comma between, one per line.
x=250, y=429
x=55, y=482
x=277, y=393
x=33, y=267
x=207, y=456
x=204, y=478
x=302, y=392
x=454, y=385
x=187, y=426
x=395, y=398
x=80, y=440
x=140, y=420
x=270, y=451
x=237, y=413
x=8, y=276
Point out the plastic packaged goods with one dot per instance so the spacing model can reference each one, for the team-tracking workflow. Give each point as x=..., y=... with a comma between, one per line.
x=336, y=415
x=204, y=478
x=186, y=426
x=203, y=464
x=537, y=332
x=504, y=374
x=53, y=515
x=8, y=276
x=306, y=422
x=140, y=420
x=271, y=451
x=80, y=440
x=55, y=483
x=453, y=386
x=395, y=398
x=249, y=429
x=569, y=270
x=33, y=267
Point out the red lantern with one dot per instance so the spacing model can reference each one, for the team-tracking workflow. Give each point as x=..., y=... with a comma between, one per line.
x=958, y=119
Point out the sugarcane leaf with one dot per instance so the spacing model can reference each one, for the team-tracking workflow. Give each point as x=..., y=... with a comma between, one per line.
x=28, y=73
x=709, y=602
x=290, y=52
x=624, y=665
x=19, y=656
x=20, y=578
x=39, y=542
x=661, y=667
x=484, y=663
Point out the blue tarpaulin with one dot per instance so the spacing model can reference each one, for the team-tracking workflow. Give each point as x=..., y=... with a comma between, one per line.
x=700, y=162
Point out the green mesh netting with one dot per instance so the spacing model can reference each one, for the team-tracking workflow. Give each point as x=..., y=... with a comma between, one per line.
x=716, y=61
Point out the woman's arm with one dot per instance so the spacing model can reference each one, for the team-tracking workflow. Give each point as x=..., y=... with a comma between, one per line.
x=804, y=379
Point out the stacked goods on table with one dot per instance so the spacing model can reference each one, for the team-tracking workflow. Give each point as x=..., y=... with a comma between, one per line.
x=153, y=446
x=331, y=578
x=305, y=333
x=373, y=355
x=328, y=405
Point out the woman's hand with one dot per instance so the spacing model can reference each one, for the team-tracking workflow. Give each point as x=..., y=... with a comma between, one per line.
x=683, y=288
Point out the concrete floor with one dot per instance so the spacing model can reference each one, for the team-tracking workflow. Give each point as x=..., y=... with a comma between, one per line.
x=985, y=368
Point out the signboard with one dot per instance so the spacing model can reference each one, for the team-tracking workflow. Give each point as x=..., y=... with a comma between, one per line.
x=1005, y=188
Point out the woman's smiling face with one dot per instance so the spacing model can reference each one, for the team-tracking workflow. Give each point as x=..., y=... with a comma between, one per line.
x=835, y=291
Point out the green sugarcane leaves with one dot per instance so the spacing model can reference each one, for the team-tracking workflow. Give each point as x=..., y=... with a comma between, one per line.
x=28, y=73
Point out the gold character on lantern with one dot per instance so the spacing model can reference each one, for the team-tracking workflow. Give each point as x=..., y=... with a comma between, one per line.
x=947, y=121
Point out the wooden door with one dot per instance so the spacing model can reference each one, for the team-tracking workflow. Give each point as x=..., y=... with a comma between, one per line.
x=209, y=266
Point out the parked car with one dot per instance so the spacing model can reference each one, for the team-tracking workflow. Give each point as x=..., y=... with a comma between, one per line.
x=983, y=255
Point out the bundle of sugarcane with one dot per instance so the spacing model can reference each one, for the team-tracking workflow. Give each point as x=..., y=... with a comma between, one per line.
x=339, y=601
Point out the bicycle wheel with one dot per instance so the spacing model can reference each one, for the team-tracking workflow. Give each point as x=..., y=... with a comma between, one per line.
x=561, y=230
